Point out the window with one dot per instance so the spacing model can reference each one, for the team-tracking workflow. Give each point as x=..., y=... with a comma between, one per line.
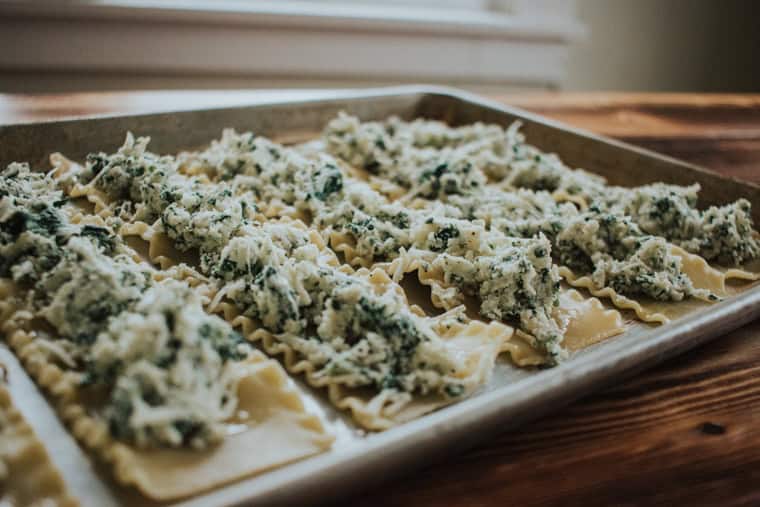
x=246, y=43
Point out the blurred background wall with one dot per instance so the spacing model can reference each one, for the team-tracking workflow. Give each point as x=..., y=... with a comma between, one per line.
x=484, y=45
x=662, y=45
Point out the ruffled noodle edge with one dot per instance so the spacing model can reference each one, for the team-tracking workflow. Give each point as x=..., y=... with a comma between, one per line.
x=622, y=302
x=39, y=477
x=377, y=412
x=93, y=433
x=745, y=273
x=739, y=274
x=344, y=244
x=440, y=295
x=702, y=274
x=562, y=195
x=518, y=344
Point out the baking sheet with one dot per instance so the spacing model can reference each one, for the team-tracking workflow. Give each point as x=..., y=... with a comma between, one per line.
x=512, y=396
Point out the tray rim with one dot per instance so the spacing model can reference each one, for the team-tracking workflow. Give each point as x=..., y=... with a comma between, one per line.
x=527, y=398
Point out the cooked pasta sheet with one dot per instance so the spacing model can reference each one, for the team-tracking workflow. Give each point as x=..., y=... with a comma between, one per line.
x=388, y=264
x=174, y=399
x=510, y=278
x=647, y=249
x=27, y=475
x=276, y=280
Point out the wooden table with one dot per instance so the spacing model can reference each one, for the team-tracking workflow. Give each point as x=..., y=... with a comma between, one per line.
x=684, y=433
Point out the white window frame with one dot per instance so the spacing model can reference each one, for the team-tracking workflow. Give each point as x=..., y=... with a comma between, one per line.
x=520, y=42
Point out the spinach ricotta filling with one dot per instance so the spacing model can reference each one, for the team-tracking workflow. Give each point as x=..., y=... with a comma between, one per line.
x=723, y=234
x=165, y=371
x=382, y=231
x=172, y=368
x=275, y=274
x=613, y=250
x=622, y=237
x=405, y=151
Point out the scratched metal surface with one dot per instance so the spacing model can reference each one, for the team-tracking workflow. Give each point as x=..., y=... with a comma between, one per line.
x=511, y=397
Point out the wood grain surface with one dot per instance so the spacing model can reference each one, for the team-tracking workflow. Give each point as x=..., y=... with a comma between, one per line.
x=684, y=433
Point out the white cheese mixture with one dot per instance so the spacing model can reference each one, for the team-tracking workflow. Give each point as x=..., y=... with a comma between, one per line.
x=407, y=153
x=723, y=234
x=172, y=368
x=273, y=273
x=469, y=256
x=480, y=207
x=168, y=370
x=621, y=238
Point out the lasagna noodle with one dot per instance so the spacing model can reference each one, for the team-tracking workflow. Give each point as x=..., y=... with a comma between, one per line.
x=344, y=244
x=98, y=199
x=562, y=196
x=441, y=295
x=392, y=191
x=707, y=275
x=653, y=312
x=580, y=316
x=64, y=168
x=699, y=271
x=712, y=278
x=273, y=426
x=478, y=343
x=160, y=249
x=151, y=247
x=476, y=346
x=749, y=272
x=27, y=475
x=275, y=209
x=585, y=320
x=715, y=279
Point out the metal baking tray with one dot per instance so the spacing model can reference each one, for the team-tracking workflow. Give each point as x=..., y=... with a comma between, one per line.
x=512, y=396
